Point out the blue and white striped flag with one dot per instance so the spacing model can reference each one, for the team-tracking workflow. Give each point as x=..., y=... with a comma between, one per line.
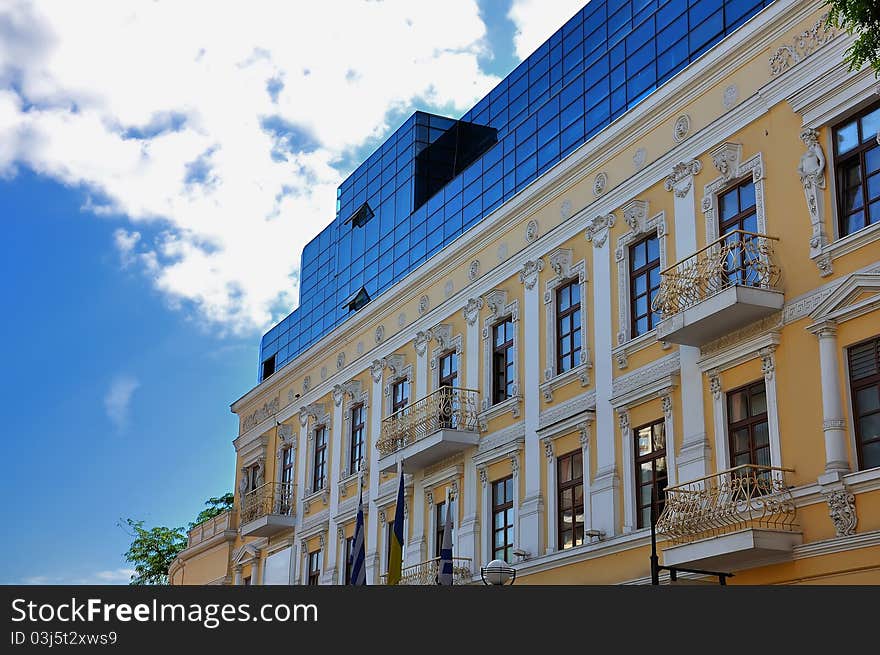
x=446, y=547
x=358, y=554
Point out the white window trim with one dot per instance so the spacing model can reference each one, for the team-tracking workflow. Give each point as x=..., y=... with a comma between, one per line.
x=728, y=160
x=560, y=262
x=635, y=214
x=399, y=371
x=353, y=396
x=512, y=451
x=452, y=476
x=762, y=347
x=496, y=300
x=323, y=494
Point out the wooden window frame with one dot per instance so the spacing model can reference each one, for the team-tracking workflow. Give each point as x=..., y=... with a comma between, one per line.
x=319, y=459
x=652, y=457
x=634, y=274
x=506, y=352
x=450, y=380
x=567, y=362
x=356, y=439
x=859, y=385
x=399, y=404
x=504, y=552
x=749, y=422
x=569, y=486
x=349, y=547
x=842, y=161
x=314, y=578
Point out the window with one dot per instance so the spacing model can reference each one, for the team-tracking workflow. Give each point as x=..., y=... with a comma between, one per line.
x=502, y=361
x=253, y=477
x=361, y=215
x=389, y=535
x=440, y=527
x=568, y=326
x=570, y=480
x=651, y=476
x=857, y=165
x=288, y=457
x=356, y=447
x=268, y=367
x=448, y=381
x=644, y=281
x=246, y=581
x=314, y=568
x=319, y=462
x=864, y=375
x=502, y=519
x=349, y=547
x=737, y=211
x=747, y=428
x=399, y=395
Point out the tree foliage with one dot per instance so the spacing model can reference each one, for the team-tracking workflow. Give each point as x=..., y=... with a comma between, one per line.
x=215, y=507
x=862, y=19
x=152, y=550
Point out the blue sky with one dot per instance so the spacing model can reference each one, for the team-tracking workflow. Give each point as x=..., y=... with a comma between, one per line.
x=154, y=205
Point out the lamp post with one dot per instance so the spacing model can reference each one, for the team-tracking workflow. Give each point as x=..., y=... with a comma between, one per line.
x=497, y=573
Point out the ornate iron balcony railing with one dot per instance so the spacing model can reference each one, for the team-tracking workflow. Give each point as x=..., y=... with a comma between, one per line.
x=272, y=498
x=748, y=496
x=738, y=258
x=428, y=572
x=448, y=408
x=207, y=529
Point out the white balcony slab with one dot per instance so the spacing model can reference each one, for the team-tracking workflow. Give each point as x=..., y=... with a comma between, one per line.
x=267, y=526
x=734, y=551
x=720, y=314
x=430, y=449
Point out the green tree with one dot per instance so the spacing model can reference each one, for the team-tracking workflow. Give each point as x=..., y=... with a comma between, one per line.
x=152, y=550
x=862, y=19
x=215, y=507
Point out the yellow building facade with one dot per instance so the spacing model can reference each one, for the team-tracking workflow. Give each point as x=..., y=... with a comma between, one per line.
x=686, y=309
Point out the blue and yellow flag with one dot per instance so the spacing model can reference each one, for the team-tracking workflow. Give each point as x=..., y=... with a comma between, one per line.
x=395, y=559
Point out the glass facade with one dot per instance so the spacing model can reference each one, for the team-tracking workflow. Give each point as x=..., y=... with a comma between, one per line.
x=436, y=177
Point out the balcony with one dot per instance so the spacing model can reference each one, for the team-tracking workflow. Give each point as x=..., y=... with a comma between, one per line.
x=268, y=510
x=428, y=572
x=735, y=519
x=430, y=429
x=210, y=528
x=727, y=285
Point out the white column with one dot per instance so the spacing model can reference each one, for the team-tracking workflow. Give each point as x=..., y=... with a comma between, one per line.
x=471, y=313
x=629, y=499
x=527, y=530
x=694, y=460
x=519, y=539
x=431, y=508
x=485, y=518
x=468, y=535
x=768, y=366
x=669, y=430
x=552, y=517
x=833, y=423
x=374, y=434
x=605, y=489
x=301, y=466
x=585, y=458
x=415, y=550
x=337, y=440
x=256, y=569
x=236, y=580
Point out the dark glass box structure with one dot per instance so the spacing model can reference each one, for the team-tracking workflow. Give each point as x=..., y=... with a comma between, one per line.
x=436, y=177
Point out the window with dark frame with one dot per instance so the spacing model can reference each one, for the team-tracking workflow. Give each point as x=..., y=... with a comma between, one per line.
x=448, y=370
x=502, y=519
x=857, y=167
x=288, y=460
x=570, y=500
x=568, y=326
x=502, y=360
x=314, y=568
x=651, y=474
x=644, y=282
x=253, y=477
x=349, y=546
x=748, y=432
x=399, y=395
x=448, y=380
x=319, y=459
x=440, y=527
x=864, y=375
x=737, y=210
x=356, y=445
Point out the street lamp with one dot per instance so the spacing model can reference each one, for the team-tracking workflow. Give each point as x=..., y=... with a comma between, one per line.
x=497, y=573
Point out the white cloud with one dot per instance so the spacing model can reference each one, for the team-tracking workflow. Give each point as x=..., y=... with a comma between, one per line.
x=159, y=111
x=113, y=576
x=537, y=20
x=117, y=400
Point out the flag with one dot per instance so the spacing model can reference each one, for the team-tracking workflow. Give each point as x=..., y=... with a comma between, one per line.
x=395, y=559
x=358, y=556
x=446, y=547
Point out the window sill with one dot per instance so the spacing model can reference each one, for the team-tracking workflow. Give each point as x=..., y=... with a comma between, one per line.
x=844, y=246
x=622, y=352
x=581, y=373
x=322, y=495
x=511, y=405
